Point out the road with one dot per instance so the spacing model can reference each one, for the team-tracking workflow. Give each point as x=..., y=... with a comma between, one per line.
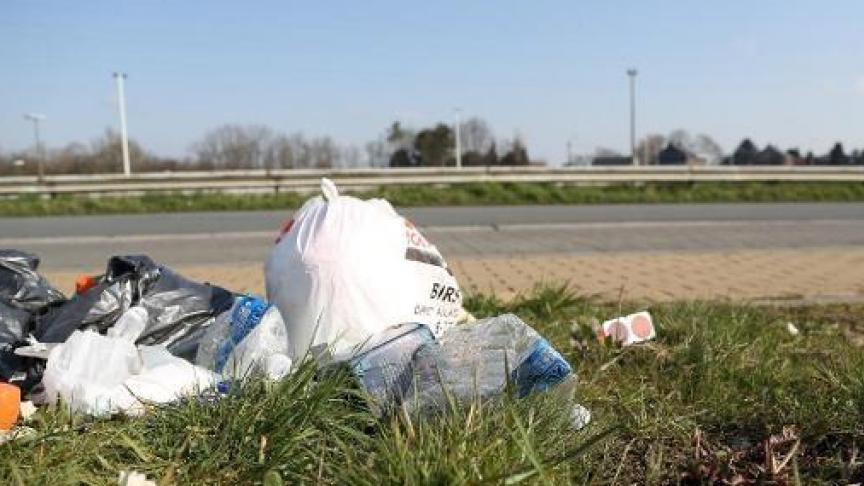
x=84, y=243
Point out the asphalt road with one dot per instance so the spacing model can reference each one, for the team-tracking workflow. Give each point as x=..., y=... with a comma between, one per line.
x=85, y=242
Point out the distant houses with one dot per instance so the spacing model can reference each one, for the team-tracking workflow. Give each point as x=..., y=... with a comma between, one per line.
x=747, y=153
x=672, y=155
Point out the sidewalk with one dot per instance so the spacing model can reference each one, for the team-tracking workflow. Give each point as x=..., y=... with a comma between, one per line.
x=824, y=274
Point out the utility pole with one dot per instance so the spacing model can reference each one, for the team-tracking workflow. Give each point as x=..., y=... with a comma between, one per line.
x=632, y=74
x=458, y=138
x=40, y=153
x=124, y=136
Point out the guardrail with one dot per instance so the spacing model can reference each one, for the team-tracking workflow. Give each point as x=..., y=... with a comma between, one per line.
x=309, y=180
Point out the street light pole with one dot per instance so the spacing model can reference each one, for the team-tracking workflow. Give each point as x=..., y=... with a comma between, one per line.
x=632, y=74
x=40, y=154
x=458, y=138
x=124, y=136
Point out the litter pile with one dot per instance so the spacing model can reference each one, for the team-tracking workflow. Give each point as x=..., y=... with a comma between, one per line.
x=351, y=284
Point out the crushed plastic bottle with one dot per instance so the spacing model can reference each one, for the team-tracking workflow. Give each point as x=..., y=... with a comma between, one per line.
x=249, y=337
x=479, y=360
x=384, y=365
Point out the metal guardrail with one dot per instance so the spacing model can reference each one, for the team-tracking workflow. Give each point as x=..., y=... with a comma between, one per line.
x=309, y=180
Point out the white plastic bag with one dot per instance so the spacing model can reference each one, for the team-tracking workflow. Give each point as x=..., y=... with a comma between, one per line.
x=247, y=338
x=345, y=269
x=101, y=375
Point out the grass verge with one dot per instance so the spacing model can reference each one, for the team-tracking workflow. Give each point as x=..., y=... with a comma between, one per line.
x=726, y=392
x=455, y=195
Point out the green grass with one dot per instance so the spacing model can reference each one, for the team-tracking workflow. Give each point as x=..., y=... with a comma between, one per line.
x=698, y=404
x=460, y=194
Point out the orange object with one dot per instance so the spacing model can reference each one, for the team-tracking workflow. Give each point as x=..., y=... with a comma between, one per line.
x=10, y=405
x=84, y=283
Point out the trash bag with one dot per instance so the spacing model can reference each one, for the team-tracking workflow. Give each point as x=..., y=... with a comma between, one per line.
x=345, y=269
x=24, y=295
x=14, y=325
x=21, y=286
x=102, y=375
x=178, y=310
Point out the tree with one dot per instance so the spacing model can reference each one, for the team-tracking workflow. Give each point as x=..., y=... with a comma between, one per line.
x=435, y=145
x=837, y=156
x=649, y=148
x=745, y=154
x=399, y=137
x=491, y=157
x=235, y=147
x=377, y=153
x=672, y=155
x=770, y=156
x=705, y=147
x=518, y=155
x=106, y=154
x=475, y=135
x=794, y=156
x=699, y=146
x=404, y=157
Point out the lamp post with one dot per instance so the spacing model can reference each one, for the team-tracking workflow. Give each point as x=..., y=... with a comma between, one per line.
x=632, y=74
x=458, y=137
x=124, y=136
x=40, y=153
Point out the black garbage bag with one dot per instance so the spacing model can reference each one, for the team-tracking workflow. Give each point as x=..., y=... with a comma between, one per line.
x=14, y=327
x=20, y=285
x=179, y=309
x=24, y=296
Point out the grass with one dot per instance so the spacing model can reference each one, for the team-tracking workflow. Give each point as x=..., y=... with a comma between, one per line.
x=725, y=392
x=459, y=194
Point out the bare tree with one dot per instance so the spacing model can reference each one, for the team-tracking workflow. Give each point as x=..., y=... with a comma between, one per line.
x=476, y=136
x=649, y=148
x=377, y=153
x=235, y=147
x=707, y=148
x=352, y=156
x=699, y=146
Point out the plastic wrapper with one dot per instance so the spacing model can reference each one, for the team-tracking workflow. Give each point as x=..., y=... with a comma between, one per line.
x=102, y=375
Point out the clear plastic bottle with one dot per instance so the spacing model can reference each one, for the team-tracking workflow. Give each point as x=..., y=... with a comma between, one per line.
x=384, y=365
x=249, y=337
x=478, y=360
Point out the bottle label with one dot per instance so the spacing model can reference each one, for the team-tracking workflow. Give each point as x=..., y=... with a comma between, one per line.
x=246, y=315
x=541, y=370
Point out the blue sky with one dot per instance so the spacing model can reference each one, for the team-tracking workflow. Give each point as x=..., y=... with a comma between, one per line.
x=787, y=72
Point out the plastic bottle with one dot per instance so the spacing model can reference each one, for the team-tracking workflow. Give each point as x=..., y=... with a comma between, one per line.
x=10, y=404
x=478, y=360
x=130, y=325
x=249, y=337
x=384, y=365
